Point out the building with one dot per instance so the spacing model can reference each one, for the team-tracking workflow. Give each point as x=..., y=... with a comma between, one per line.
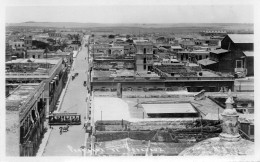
x=164, y=40
x=18, y=49
x=156, y=116
x=8, y=52
x=25, y=115
x=229, y=141
x=176, y=49
x=66, y=56
x=192, y=56
x=116, y=51
x=35, y=53
x=236, y=55
x=213, y=33
x=51, y=71
x=28, y=42
x=54, y=34
x=144, y=56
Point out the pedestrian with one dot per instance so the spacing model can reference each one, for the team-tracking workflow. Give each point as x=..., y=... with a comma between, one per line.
x=60, y=130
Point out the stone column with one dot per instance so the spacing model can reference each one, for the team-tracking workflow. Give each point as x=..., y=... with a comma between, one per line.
x=230, y=125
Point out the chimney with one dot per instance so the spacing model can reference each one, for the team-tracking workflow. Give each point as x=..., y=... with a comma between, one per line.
x=230, y=125
x=119, y=90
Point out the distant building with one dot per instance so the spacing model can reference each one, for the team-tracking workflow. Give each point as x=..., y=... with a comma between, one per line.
x=187, y=44
x=213, y=33
x=164, y=40
x=235, y=56
x=28, y=42
x=192, y=56
x=54, y=34
x=144, y=56
x=176, y=48
x=19, y=49
x=25, y=115
x=116, y=51
x=36, y=53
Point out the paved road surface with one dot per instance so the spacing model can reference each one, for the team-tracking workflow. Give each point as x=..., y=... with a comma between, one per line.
x=69, y=143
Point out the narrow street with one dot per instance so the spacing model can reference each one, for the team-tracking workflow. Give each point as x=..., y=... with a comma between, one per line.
x=69, y=143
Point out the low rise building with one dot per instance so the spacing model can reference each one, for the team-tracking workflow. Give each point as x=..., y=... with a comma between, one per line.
x=35, y=53
x=25, y=115
x=51, y=71
x=235, y=56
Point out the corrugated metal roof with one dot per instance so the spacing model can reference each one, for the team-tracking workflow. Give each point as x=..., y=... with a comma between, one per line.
x=206, y=62
x=249, y=53
x=168, y=108
x=242, y=38
x=219, y=51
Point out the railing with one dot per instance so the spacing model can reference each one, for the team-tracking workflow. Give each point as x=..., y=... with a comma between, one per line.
x=167, y=79
x=26, y=74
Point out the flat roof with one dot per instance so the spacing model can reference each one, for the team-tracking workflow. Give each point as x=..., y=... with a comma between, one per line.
x=16, y=99
x=168, y=108
x=129, y=146
x=54, y=61
x=130, y=106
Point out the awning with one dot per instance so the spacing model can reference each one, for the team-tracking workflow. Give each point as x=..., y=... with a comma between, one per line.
x=206, y=62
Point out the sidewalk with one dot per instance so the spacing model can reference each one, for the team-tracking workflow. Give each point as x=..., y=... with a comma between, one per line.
x=47, y=134
x=44, y=140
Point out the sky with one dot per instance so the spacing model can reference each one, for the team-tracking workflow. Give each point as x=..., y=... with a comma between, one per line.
x=126, y=13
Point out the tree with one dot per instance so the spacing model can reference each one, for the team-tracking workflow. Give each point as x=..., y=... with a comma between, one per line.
x=129, y=41
x=39, y=44
x=111, y=36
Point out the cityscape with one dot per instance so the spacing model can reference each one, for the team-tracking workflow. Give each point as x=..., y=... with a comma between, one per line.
x=129, y=89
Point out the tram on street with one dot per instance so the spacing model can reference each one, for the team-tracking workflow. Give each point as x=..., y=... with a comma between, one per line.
x=64, y=119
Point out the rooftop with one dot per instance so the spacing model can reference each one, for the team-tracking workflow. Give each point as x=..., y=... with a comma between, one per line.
x=36, y=50
x=206, y=62
x=219, y=51
x=168, y=108
x=242, y=38
x=249, y=53
x=53, y=61
x=144, y=43
x=20, y=95
x=131, y=108
x=129, y=146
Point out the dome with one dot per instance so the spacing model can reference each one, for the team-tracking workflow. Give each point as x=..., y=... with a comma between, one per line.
x=219, y=147
x=229, y=141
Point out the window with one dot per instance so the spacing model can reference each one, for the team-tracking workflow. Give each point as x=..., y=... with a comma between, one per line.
x=239, y=64
x=33, y=56
x=144, y=50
